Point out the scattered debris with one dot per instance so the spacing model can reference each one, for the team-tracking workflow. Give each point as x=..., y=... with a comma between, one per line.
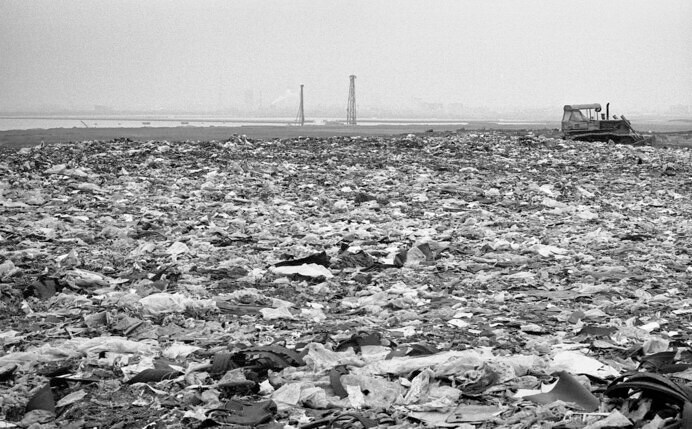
x=468, y=280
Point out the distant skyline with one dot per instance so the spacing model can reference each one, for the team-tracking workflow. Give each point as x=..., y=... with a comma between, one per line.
x=252, y=55
x=422, y=110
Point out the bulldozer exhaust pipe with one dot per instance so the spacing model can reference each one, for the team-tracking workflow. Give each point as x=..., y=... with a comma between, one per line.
x=607, y=110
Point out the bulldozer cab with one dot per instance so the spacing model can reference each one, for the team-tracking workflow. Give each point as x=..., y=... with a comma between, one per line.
x=580, y=117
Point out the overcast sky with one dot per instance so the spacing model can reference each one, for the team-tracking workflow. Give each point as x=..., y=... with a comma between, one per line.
x=210, y=54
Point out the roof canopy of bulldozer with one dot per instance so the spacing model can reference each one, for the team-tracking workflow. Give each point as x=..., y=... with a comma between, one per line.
x=595, y=106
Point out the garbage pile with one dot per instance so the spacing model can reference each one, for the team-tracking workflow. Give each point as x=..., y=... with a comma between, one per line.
x=473, y=280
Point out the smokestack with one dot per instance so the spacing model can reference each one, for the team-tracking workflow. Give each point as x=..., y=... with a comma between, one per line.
x=608, y=110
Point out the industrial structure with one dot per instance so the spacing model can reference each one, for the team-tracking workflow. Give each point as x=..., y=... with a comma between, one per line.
x=300, y=118
x=351, y=108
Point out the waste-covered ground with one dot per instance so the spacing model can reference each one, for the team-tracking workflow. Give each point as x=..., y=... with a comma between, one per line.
x=473, y=280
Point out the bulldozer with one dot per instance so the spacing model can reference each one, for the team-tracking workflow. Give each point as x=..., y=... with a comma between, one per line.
x=585, y=122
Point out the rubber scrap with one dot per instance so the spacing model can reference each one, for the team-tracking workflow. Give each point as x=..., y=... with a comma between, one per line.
x=278, y=354
x=154, y=375
x=222, y=362
x=335, y=380
x=245, y=413
x=652, y=385
x=43, y=399
x=318, y=258
x=358, y=340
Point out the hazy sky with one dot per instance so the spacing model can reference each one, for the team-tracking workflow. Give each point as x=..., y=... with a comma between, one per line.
x=209, y=54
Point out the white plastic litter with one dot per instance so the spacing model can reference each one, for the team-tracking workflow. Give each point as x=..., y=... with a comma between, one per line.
x=161, y=303
x=307, y=270
x=577, y=363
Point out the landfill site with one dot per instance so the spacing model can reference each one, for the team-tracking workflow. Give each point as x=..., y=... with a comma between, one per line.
x=465, y=279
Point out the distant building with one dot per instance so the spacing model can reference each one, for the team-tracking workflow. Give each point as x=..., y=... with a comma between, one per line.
x=455, y=108
x=679, y=109
x=99, y=108
x=249, y=99
x=428, y=107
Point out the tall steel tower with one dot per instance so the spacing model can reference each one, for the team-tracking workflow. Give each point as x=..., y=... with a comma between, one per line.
x=300, y=119
x=351, y=109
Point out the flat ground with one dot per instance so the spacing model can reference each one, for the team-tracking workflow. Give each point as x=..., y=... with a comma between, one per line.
x=27, y=138
x=24, y=138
